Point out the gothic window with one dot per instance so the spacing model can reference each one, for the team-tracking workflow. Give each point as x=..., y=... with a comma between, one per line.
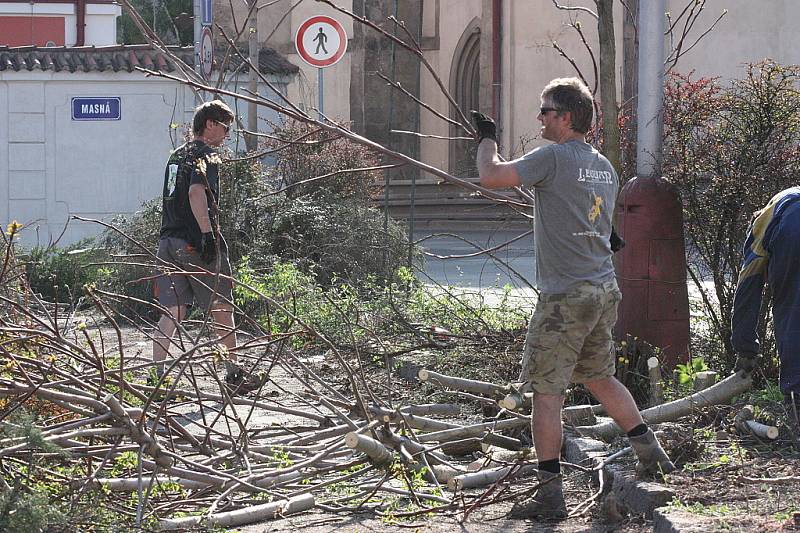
x=464, y=86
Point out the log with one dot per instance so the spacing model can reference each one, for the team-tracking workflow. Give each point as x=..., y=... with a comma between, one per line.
x=488, y=476
x=574, y=414
x=746, y=425
x=475, y=430
x=498, y=457
x=501, y=441
x=128, y=484
x=704, y=380
x=656, y=388
x=377, y=452
x=240, y=517
x=717, y=394
x=468, y=385
x=427, y=409
x=462, y=447
x=416, y=422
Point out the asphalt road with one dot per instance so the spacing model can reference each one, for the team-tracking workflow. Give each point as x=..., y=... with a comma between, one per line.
x=451, y=258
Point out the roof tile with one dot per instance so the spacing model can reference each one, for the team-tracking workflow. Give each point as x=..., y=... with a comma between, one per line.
x=121, y=57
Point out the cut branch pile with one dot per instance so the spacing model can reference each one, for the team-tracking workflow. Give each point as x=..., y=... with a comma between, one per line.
x=189, y=453
x=202, y=456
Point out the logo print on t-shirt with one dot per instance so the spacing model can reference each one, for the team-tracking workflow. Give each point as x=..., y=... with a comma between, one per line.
x=171, y=179
x=590, y=175
x=594, y=212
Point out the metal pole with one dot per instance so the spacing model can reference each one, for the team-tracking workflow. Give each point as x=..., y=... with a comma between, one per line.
x=651, y=89
x=320, y=90
x=198, y=31
x=251, y=141
x=390, y=125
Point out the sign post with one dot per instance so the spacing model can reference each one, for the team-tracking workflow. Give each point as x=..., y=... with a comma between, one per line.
x=206, y=53
x=321, y=42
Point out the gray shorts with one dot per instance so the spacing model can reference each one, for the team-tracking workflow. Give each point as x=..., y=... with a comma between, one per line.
x=174, y=286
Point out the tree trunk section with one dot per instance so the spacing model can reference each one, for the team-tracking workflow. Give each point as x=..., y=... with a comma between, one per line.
x=608, y=82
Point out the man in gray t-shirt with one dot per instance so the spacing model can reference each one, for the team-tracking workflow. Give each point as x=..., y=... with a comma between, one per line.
x=569, y=335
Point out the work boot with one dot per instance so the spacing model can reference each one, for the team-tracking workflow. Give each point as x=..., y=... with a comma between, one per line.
x=548, y=502
x=653, y=460
x=240, y=382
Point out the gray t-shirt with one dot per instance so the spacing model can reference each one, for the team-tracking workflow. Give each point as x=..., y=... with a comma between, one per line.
x=575, y=188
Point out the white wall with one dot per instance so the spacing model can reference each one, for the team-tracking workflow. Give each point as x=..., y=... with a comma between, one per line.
x=53, y=167
x=749, y=32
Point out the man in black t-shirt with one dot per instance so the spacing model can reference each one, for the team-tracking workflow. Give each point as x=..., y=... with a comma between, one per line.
x=190, y=241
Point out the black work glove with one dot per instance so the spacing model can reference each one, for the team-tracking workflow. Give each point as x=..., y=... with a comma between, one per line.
x=746, y=361
x=486, y=127
x=617, y=242
x=208, y=247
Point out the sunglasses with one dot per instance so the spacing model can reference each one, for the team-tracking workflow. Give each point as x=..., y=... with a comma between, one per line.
x=226, y=126
x=545, y=110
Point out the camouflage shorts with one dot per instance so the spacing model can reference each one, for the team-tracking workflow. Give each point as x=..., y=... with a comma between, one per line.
x=569, y=338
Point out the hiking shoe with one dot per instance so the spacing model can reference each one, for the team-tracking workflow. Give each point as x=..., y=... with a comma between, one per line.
x=237, y=381
x=548, y=502
x=653, y=461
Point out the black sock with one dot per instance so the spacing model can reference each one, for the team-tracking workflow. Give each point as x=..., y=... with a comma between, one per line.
x=553, y=466
x=641, y=429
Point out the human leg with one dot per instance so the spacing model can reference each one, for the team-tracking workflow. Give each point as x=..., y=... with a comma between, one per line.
x=238, y=380
x=224, y=326
x=615, y=397
x=162, y=337
x=172, y=291
x=548, y=502
x=617, y=400
x=595, y=369
x=553, y=341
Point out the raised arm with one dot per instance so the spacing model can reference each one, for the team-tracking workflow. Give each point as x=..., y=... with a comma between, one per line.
x=494, y=174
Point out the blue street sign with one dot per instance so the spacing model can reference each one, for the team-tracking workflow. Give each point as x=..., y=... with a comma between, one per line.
x=207, y=17
x=97, y=108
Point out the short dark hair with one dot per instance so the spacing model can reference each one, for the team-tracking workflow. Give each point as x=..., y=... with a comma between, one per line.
x=216, y=110
x=571, y=94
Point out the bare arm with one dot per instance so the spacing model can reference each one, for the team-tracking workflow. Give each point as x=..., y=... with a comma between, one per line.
x=495, y=174
x=199, y=204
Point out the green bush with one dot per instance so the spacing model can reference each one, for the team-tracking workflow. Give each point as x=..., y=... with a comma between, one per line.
x=729, y=150
x=59, y=274
x=325, y=227
x=337, y=241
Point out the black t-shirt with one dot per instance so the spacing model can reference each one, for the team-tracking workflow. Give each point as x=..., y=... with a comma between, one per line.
x=194, y=162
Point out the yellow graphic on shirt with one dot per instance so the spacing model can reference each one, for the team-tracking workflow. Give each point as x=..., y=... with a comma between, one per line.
x=594, y=212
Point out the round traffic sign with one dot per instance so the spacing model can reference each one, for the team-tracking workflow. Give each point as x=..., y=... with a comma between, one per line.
x=321, y=41
x=206, y=52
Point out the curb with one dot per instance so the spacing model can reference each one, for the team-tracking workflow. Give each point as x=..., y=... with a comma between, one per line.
x=637, y=497
x=672, y=521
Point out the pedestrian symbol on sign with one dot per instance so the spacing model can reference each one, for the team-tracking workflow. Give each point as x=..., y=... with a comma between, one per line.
x=321, y=41
x=321, y=44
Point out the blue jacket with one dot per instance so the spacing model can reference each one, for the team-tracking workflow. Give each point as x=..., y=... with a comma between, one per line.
x=771, y=254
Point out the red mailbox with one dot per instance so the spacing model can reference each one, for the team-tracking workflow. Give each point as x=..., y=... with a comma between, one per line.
x=651, y=269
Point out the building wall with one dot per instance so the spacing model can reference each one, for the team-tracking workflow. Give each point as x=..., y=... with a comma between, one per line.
x=34, y=23
x=53, y=167
x=750, y=31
